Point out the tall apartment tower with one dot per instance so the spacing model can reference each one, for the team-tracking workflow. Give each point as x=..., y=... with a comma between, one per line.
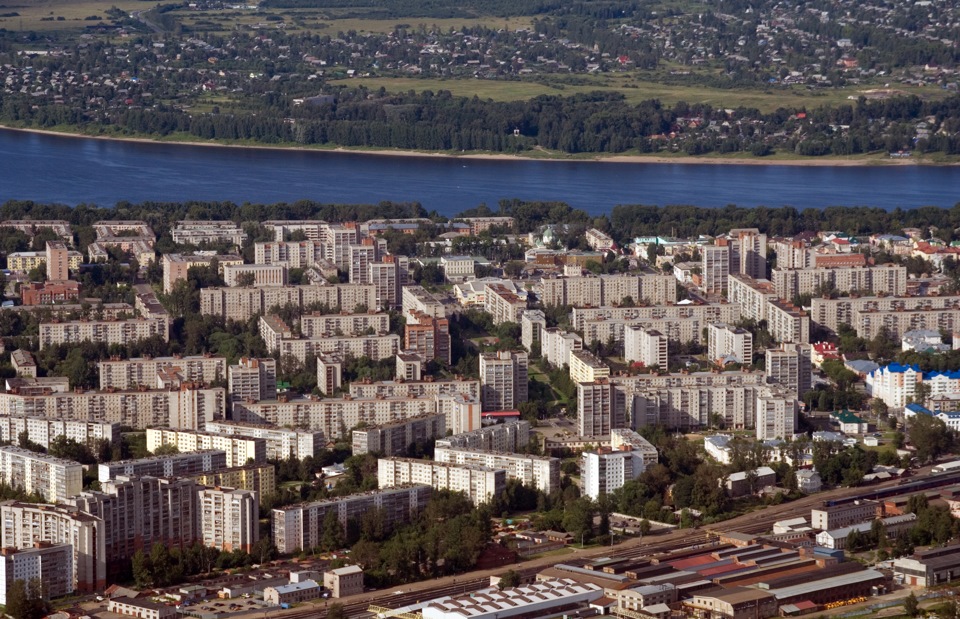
x=647, y=346
x=599, y=409
x=58, y=261
x=252, y=380
x=503, y=380
x=361, y=257
x=388, y=277
x=428, y=336
x=715, y=266
x=329, y=373
x=728, y=344
x=791, y=366
x=532, y=325
x=748, y=252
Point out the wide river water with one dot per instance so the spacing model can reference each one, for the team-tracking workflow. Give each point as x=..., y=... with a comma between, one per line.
x=72, y=171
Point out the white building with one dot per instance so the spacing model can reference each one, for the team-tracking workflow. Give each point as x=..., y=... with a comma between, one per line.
x=727, y=344
x=503, y=380
x=647, y=346
x=479, y=483
x=49, y=564
x=790, y=365
x=252, y=379
x=53, y=478
x=541, y=599
x=240, y=450
x=229, y=519
x=503, y=437
x=457, y=268
x=281, y=443
x=605, y=470
x=894, y=384
x=540, y=472
x=777, y=410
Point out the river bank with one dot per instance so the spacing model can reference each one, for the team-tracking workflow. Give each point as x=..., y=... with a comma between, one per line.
x=543, y=155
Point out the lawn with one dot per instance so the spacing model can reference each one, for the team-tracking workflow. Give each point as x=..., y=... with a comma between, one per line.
x=72, y=11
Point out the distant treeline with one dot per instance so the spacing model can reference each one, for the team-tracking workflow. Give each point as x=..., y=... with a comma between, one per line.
x=445, y=9
x=624, y=222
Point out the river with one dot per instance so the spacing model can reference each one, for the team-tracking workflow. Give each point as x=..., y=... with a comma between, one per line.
x=71, y=171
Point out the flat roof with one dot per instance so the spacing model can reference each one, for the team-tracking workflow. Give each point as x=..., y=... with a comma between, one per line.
x=827, y=583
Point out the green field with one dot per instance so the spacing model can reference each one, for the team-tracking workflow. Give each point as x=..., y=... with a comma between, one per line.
x=33, y=13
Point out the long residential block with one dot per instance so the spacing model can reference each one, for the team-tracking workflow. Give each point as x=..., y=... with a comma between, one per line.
x=324, y=325
x=175, y=465
x=243, y=303
x=873, y=280
x=831, y=313
x=187, y=407
x=239, y=449
x=479, y=483
x=53, y=478
x=511, y=436
x=280, y=338
x=540, y=472
x=299, y=527
x=258, y=478
x=110, y=332
x=415, y=388
x=393, y=439
x=42, y=431
x=608, y=289
x=704, y=312
x=281, y=443
x=143, y=371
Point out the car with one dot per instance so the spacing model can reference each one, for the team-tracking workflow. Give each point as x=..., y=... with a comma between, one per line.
x=99, y=598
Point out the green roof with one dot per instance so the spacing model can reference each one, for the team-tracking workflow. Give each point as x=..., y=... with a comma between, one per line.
x=846, y=416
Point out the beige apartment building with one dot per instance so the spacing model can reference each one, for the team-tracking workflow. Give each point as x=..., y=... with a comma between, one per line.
x=751, y=295
x=279, y=338
x=608, y=290
x=417, y=298
x=240, y=450
x=715, y=267
x=258, y=478
x=540, y=472
x=42, y=431
x=393, y=439
x=788, y=323
x=415, y=388
x=107, y=332
x=831, y=313
x=585, y=367
x=887, y=279
x=503, y=380
x=28, y=524
x=600, y=408
x=502, y=304
x=252, y=379
x=229, y=519
x=189, y=232
x=557, y=346
x=704, y=312
x=30, y=227
x=291, y=254
x=177, y=266
x=728, y=344
x=389, y=276
x=258, y=274
x=188, y=407
x=51, y=564
x=428, y=336
x=137, y=372
x=26, y=261
x=511, y=436
x=53, y=478
x=172, y=465
x=245, y=303
x=647, y=346
x=58, y=261
x=323, y=325
x=479, y=483
x=790, y=365
x=282, y=443
x=298, y=527
x=329, y=373
x=777, y=409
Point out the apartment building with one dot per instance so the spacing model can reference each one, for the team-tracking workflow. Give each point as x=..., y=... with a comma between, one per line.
x=680, y=330
x=279, y=338
x=244, y=303
x=138, y=512
x=480, y=224
x=887, y=279
x=428, y=336
x=704, y=312
x=409, y=366
x=121, y=374
x=600, y=408
x=281, y=443
x=511, y=436
x=608, y=290
x=42, y=430
x=393, y=439
x=831, y=517
x=321, y=325
x=333, y=416
x=329, y=373
x=748, y=252
x=777, y=410
x=240, y=450
x=604, y=470
x=502, y=304
x=361, y=256
x=457, y=268
x=503, y=380
x=790, y=365
x=894, y=384
x=417, y=298
x=647, y=346
x=229, y=519
x=187, y=407
x=715, y=267
x=291, y=254
x=282, y=229
x=479, y=483
x=260, y=479
x=831, y=313
x=25, y=261
x=46, y=563
x=49, y=293
x=599, y=241
x=727, y=344
x=415, y=388
x=623, y=439
x=532, y=325
x=788, y=323
x=37, y=386
x=30, y=227
x=870, y=323
x=58, y=261
x=53, y=478
x=540, y=472
x=27, y=524
x=585, y=367
x=255, y=275
x=23, y=363
x=337, y=239
x=252, y=379
x=388, y=276
x=176, y=267
x=750, y=295
x=189, y=232
x=299, y=527
x=109, y=332
x=173, y=465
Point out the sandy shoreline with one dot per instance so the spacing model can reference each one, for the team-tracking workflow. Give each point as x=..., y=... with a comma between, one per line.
x=656, y=159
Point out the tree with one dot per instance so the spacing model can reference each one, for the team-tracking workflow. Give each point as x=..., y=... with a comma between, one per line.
x=332, y=536
x=246, y=279
x=18, y=602
x=930, y=436
x=911, y=605
x=142, y=576
x=509, y=580
x=336, y=611
x=166, y=450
